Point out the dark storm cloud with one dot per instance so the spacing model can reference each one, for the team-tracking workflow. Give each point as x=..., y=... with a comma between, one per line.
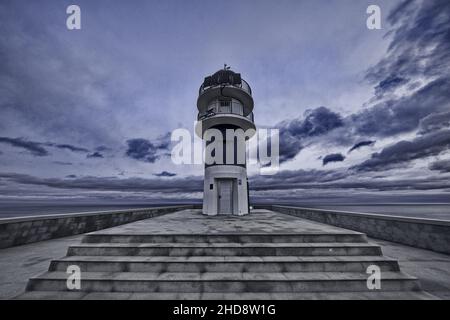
x=146, y=150
x=35, y=148
x=403, y=115
x=165, y=174
x=389, y=84
x=442, y=166
x=420, y=43
x=72, y=176
x=292, y=179
x=286, y=180
x=434, y=122
x=405, y=151
x=385, y=119
x=419, y=51
x=341, y=179
x=142, y=149
x=334, y=157
x=94, y=155
x=67, y=147
x=315, y=122
x=38, y=148
x=188, y=184
x=362, y=144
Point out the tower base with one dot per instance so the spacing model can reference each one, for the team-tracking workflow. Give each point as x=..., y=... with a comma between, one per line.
x=225, y=190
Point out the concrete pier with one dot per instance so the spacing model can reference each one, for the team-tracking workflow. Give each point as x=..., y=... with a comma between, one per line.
x=265, y=255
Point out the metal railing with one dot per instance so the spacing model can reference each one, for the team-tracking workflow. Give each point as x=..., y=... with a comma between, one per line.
x=205, y=115
x=243, y=85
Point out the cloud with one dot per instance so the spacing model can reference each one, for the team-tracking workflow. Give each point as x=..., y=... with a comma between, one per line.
x=419, y=46
x=417, y=58
x=165, y=174
x=63, y=163
x=442, y=166
x=323, y=182
x=337, y=180
x=94, y=155
x=435, y=122
x=146, y=150
x=395, y=116
x=361, y=144
x=35, y=148
x=67, y=147
x=294, y=133
x=72, y=176
x=334, y=157
x=102, y=148
x=188, y=184
x=389, y=84
x=291, y=179
x=142, y=149
x=384, y=119
x=38, y=148
x=405, y=151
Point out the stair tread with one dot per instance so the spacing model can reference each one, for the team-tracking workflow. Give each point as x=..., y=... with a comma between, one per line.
x=221, y=276
x=250, y=259
x=373, y=295
x=225, y=245
x=334, y=232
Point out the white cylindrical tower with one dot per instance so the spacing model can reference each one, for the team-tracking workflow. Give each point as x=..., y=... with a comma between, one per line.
x=225, y=105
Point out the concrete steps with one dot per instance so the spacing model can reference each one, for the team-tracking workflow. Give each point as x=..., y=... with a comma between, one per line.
x=223, y=282
x=224, y=249
x=304, y=237
x=373, y=295
x=220, y=266
x=160, y=264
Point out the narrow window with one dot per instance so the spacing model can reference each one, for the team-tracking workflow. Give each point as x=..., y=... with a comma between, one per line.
x=225, y=106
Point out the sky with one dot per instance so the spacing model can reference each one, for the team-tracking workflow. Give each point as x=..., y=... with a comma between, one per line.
x=86, y=115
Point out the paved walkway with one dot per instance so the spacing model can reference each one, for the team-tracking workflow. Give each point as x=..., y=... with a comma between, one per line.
x=193, y=221
x=18, y=264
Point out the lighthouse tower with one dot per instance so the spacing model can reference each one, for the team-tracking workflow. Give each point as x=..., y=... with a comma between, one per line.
x=225, y=102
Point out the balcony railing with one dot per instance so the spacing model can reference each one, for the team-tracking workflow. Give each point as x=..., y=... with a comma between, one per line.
x=243, y=85
x=205, y=115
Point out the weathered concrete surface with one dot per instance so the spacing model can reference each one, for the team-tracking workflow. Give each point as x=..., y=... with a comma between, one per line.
x=421, y=233
x=18, y=231
x=192, y=221
x=431, y=268
x=18, y=264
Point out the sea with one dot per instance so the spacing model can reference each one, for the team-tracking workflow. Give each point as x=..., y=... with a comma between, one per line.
x=435, y=211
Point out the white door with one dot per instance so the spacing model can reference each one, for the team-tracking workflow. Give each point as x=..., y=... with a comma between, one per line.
x=225, y=192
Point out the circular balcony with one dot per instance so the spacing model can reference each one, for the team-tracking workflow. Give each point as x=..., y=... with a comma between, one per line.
x=225, y=84
x=212, y=119
x=243, y=85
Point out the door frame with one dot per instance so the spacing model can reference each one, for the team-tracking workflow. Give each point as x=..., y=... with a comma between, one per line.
x=232, y=180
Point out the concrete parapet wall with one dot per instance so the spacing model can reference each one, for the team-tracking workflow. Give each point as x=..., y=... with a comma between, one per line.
x=18, y=231
x=421, y=233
